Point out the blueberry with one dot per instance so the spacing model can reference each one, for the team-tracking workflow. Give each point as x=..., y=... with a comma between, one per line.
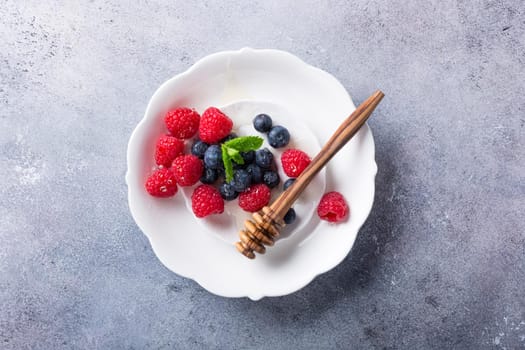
x=264, y=158
x=248, y=157
x=289, y=217
x=255, y=172
x=231, y=136
x=262, y=123
x=199, y=148
x=288, y=183
x=238, y=166
x=271, y=179
x=241, y=180
x=278, y=136
x=227, y=191
x=213, y=157
x=209, y=176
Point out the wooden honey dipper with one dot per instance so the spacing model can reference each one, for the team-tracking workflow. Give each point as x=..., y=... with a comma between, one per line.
x=264, y=228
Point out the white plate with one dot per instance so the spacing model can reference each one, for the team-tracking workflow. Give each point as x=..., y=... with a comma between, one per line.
x=311, y=104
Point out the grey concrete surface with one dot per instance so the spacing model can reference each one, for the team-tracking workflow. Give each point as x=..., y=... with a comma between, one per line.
x=440, y=263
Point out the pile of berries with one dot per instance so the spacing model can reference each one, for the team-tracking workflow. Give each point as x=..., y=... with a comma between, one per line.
x=253, y=177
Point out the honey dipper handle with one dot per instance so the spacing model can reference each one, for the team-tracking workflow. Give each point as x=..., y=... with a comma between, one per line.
x=342, y=135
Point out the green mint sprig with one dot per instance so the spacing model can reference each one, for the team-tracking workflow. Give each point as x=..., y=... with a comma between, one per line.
x=231, y=151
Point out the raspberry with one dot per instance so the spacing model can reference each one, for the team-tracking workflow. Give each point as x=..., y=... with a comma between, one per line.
x=254, y=198
x=187, y=169
x=333, y=207
x=167, y=149
x=294, y=162
x=161, y=183
x=214, y=125
x=206, y=200
x=182, y=122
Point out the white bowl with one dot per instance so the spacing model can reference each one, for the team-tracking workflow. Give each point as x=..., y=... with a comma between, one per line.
x=311, y=104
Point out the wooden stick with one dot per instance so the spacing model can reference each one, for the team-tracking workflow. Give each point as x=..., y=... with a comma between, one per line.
x=268, y=221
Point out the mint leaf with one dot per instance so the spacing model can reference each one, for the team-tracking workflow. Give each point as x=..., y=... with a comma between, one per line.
x=231, y=150
x=228, y=166
x=245, y=143
x=236, y=157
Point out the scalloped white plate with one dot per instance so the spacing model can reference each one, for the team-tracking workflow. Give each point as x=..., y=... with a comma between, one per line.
x=311, y=104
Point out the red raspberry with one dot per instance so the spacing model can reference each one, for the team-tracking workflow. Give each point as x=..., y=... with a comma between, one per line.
x=294, y=162
x=167, y=149
x=161, y=183
x=182, y=122
x=214, y=125
x=206, y=200
x=187, y=169
x=333, y=207
x=254, y=198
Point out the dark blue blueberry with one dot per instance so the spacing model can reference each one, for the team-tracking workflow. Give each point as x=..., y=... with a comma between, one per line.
x=227, y=191
x=288, y=183
x=262, y=123
x=289, y=217
x=271, y=179
x=238, y=166
x=231, y=136
x=278, y=136
x=199, y=148
x=255, y=172
x=248, y=157
x=241, y=180
x=209, y=176
x=264, y=158
x=213, y=157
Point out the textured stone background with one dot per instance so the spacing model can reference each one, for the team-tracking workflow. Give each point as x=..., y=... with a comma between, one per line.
x=439, y=264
